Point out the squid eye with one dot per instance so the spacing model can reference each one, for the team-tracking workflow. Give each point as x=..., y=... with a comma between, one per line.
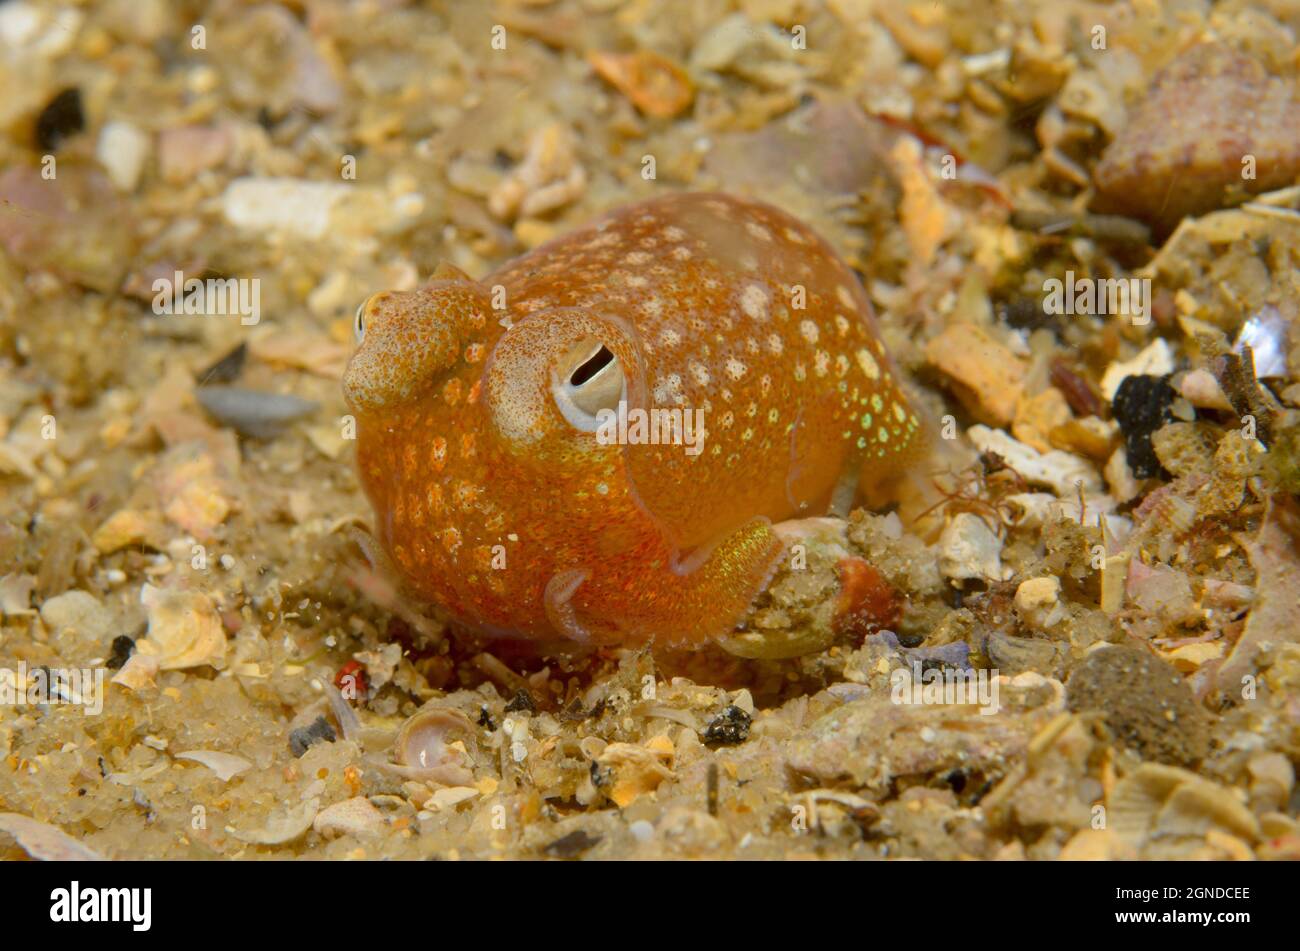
x=588, y=380
x=359, y=323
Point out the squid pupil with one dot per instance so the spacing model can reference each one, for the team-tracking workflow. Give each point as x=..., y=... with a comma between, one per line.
x=594, y=364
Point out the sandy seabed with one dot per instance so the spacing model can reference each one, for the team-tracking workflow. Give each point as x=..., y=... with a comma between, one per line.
x=1104, y=537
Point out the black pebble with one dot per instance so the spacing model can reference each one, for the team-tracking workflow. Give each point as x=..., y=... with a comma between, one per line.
x=729, y=727
x=62, y=117
x=123, y=648
x=228, y=368
x=1141, y=406
x=521, y=702
x=1025, y=313
x=301, y=739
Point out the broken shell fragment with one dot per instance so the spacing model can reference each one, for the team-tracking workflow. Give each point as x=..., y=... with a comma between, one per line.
x=1272, y=780
x=450, y=797
x=968, y=548
x=431, y=746
x=654, y=84
x=1155, y=360
x=1195, y=808
x=1040, y=415
x=632, y=771
x=1123, y=484
x=1265, y=333
x=1063, y=472
x=225, y=766
x=983, y=371
x=43, y=841
x=1202, y=390
x=184, y=629
x=356, y=816
x=1157, y=802
x=283, y=828
x=1114, y=581
x=139, y=673
x=16, y=593
x=1275, y=613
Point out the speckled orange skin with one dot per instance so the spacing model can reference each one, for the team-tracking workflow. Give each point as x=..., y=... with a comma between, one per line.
x=490, y=503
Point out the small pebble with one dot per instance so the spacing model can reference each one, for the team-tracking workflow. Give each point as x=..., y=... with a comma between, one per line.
x=729, y=727
x=642, y=830
x=253, y=412
x=969, y=549
x=123, y=648
x=61, y=118
x=1142, y=405
x=303, y=738
x=298, y=207
x=1037, y=600
x=122, y=150
x=522, y=701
